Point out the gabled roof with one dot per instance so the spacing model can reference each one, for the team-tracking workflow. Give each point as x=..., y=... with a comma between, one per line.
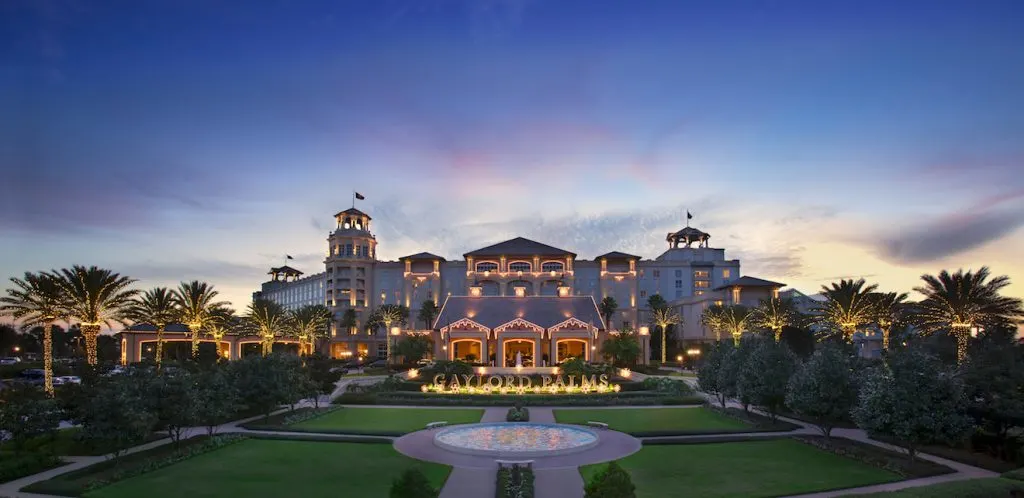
x=544, y=311
x=617, y=255
x=746, y=281
x=422, y=255
x=284, y=269
x=519, y=246
x=353, y=211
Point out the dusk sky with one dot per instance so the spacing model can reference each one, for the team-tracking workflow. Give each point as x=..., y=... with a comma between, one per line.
x=813, y=140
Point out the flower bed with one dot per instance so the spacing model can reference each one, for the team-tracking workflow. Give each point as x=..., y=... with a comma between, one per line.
x=514, y=482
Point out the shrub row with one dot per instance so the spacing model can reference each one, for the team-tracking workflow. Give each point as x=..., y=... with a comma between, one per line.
x=285, y=419
x=875, y=456
x=15, y=467
x=430, y=399
x=514, y=482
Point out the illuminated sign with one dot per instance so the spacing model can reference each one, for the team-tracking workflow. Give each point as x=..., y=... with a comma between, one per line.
x=519, y=384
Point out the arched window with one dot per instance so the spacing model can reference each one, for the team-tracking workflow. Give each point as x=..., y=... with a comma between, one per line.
x=552, y=266
x=486, y=266
x=519, y=266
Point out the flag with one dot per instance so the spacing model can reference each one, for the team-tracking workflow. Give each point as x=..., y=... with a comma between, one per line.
x=688, y=215
x=360, y=196
x=288, y=256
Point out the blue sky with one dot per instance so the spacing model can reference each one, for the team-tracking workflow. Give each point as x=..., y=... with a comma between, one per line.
x=813, y=140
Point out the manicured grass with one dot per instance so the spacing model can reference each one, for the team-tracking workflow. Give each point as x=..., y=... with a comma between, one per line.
x=278, y=468
x=753, y=469
x=66, y=442
x=997, y=487
x=649, y=420
x=362, y=420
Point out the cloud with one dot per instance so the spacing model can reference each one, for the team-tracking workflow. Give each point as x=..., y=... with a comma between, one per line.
x=214, y=271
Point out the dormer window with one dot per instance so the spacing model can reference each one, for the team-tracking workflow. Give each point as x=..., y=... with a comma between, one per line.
x=486, y=266
x=519, y=266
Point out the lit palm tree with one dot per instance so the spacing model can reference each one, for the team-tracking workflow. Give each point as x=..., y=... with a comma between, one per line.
x=309, y=324
x=712, y=319
x=197, y=302
x=268, y=319
x=889, y=310
x=158, y=308
x=775, y=314
x=94, y=297
x=37, y=299
x=223, y=321
x=960, y=301
x=388, y=314
x=848, y=306
x=663, y=317
x=736, y=319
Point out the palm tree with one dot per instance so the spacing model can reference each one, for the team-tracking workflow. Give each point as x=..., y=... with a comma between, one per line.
x=848, y=306
x=94, y=297
x=267, y=319
x=607, y=308
x=223, y=321
x=713, y=318
x=775, y=314
x=736, y=319
x=958, y=302
x=37, y=299
x=158, y=308
x=428, y=312
x=388, y=314
x=196, y=300
x=889, y=309
x=349, y=321
x=309, y=324
x=663, y=317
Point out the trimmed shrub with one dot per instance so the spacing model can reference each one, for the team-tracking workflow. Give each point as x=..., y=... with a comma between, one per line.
x=612, y=482
x=1015, y=474
x=518, y=413
x=412, y=484
x=15, y=467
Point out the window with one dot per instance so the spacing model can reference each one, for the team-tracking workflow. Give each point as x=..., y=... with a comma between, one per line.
x=679, y=273
x=486, y=266
x=679, y=284
x=726, y=273
x=519, y=266
x=701, y=284
x=657, y=273
x=679, y=293
x=552, y=266
x=643, y=294
x=348, y=249
x=699, y=293
x=700, y=274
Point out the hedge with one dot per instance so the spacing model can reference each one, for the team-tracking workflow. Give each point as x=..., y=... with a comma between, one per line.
x=1015, y=474
x=15, y=467
x=896, y=462
x=514, y=482
x=281, y=421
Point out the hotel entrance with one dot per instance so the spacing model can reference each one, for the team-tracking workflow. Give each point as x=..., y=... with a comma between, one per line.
x=524, y=347
x=568, y=349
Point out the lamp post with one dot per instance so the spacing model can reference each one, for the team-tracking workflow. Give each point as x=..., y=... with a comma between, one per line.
x=395, y=331
x=645, y=332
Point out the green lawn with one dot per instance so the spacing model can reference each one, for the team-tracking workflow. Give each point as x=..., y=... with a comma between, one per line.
x=655, y=419
x=971, y=488
x=389, y=419
x=257, y=468
x=753, y=469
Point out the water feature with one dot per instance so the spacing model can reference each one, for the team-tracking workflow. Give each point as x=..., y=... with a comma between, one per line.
x=515, y=439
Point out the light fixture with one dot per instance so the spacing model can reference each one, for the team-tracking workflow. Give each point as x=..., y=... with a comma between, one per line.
x=645, y=330
x=693, y=352
x=679, y=357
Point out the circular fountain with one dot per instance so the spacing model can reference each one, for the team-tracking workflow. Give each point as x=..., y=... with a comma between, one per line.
x=515, y=439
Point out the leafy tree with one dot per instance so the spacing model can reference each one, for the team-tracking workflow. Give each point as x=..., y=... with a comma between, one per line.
x=622, y=349
x=656, y=302
x=734, y=361
x=765, y=375
x=114, y=413
x=994, y=382
x=824, y=389
x=663, y=318
x=612, y=482
x=269, y=320
x=348, y=321
x=158, y=308
x=709, y=373
x=848, y=306
x=309, y=324
x=412, y=484
x=428, y=313
x=775, y=314
x=197, y=301
x=266, y=382
x=26, y=413
x=607, y=309
x=216, y=398
x=173, y=399
x=913, y=400
x=955, y=303
x=414, y=347
x=37, y=299
x=890, y=310
x=800, y=341
x=94, y=297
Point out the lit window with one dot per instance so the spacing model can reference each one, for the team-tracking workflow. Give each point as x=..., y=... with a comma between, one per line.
x=700, y=274
x=552, y=266
x=699, y=293
x=726, y=273
x=519, y=266
x=701, y=284
x=486, y=266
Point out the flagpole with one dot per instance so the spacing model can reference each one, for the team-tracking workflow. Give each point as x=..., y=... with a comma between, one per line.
x=353, y=199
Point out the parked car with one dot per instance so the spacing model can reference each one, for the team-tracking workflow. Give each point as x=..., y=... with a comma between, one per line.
x=67, y=379
x=32, y=376
x=425, y=362
x=12, y=360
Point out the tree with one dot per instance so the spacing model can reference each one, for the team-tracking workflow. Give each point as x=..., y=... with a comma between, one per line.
x=663, y=318
x=913, y=400
x=94, y=297
x=848, y=306
x=889, y=310
x=197, y=301
x=993, y=378
x=713, y=318
x=775, y=314
x=266, y=382
x=348, y=321
x=388, y=314
x=158, y=308
x=414, y=347
x=734, y=361
x=309, y=324
x=765, y=375
x=222, y=322
x=735, y=320
x=612, y=482
x=709, y=373
x=173, y=399
x=25, y=413
x=216, y=399
x=621, y=349
x=607, y=308
x=269, y=320
x=37, y=299
x=428, y=313
x=824, y=390
x=955, y=303
x=412, y=484
x=114, y=414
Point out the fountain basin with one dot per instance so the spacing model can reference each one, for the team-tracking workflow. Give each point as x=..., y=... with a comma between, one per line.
x=515, y=439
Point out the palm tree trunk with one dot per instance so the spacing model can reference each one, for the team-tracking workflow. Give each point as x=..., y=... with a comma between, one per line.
x=90, y=332
x=159, y=346
x=664, y=344
x=195, y=340
x=778, y=334
x=885, y=338
x=736, y=338
x=48, y=358
x=961, y=334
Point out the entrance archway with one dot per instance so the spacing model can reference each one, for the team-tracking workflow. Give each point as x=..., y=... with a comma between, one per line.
x=467, y=350
x=522, y=346
x=566, y=349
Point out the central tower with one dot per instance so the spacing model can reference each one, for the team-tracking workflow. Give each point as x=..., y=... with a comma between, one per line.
x=351, y=254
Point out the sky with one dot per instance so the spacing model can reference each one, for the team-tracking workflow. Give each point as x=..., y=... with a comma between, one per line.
x=813, y=140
